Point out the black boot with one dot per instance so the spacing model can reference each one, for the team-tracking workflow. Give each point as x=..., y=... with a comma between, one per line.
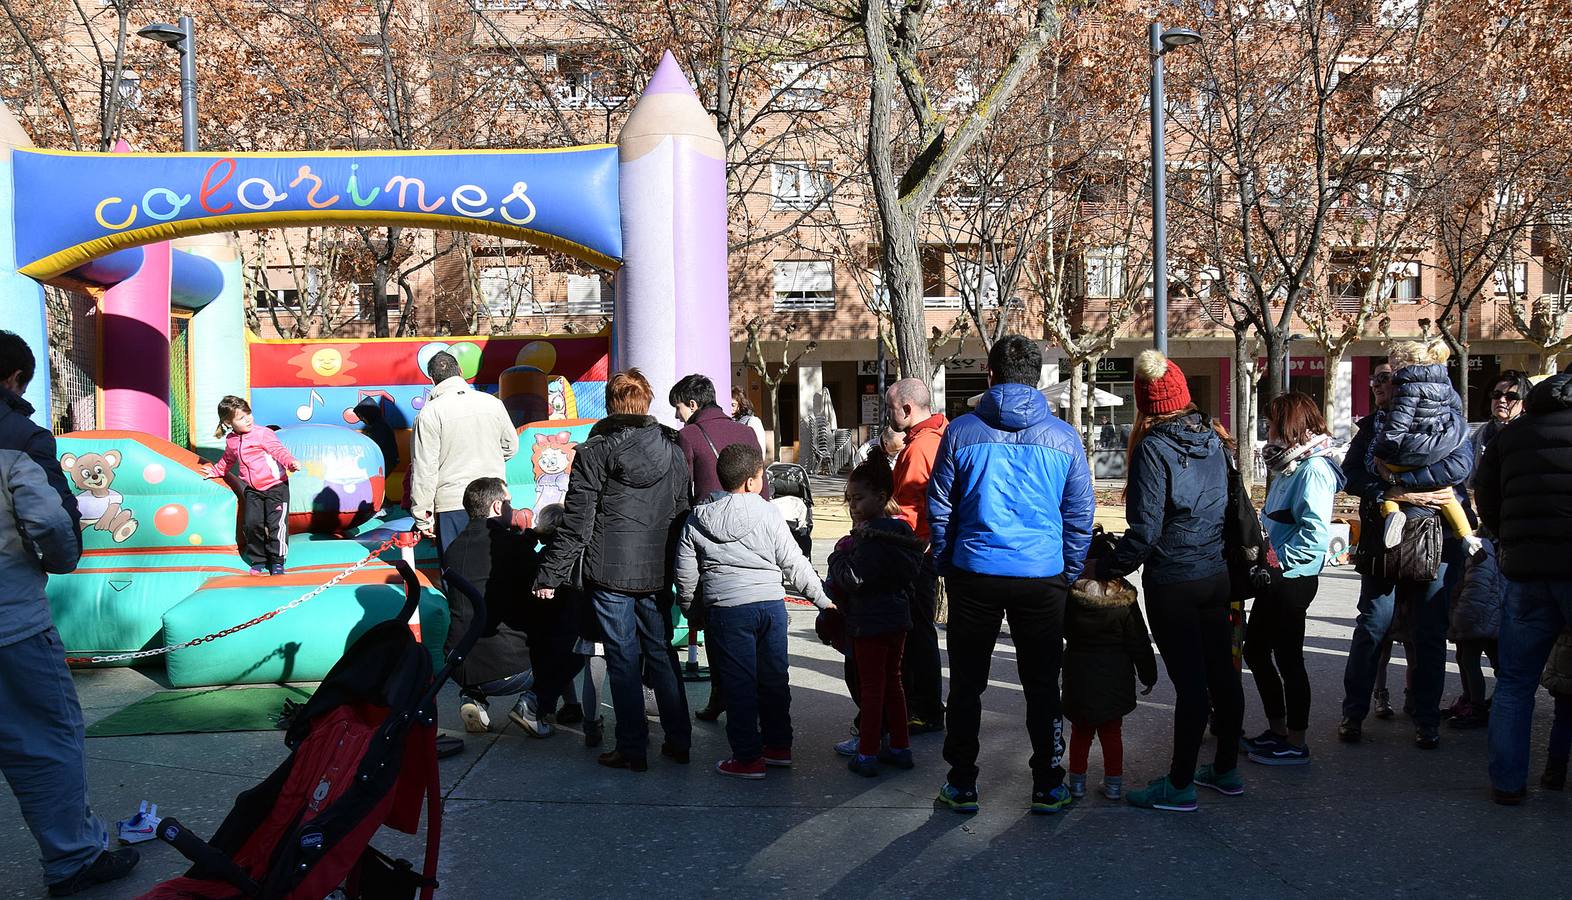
x=1555, y=777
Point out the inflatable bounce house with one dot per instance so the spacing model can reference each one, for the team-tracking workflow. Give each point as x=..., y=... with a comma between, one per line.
x=148, y=236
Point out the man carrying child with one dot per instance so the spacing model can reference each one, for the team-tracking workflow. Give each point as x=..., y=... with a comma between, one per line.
x=734, y=552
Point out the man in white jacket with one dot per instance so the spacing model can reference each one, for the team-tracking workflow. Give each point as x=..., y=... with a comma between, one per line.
x=460, y=435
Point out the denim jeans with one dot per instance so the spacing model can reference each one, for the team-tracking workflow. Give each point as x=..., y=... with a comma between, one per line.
x=500, y=687
x=1427, y=669
x=638, y=646
x=748, y=644
x=43, y=754
x=1535, y=613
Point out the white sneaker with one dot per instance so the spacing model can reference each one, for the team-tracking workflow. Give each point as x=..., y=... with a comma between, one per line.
x=1393, y=534
x=473, y=712
x=527, y=714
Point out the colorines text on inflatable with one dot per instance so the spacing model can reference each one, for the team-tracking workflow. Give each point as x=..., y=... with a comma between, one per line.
x=73, y=207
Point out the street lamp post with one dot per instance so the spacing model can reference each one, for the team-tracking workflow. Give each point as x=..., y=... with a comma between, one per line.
x=1161, y=42
x=182, y=37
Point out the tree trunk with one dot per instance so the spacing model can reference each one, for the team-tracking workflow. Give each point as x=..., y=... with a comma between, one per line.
x=1548, y=362
x=903, y=288
x=1076, y=410
x=773, y=388
x=1331, y=359
x=379, y=297
x=1276, y=365
x=1462, y=361
x=1244, y=406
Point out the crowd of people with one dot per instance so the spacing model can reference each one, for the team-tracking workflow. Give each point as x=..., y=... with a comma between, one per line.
x=999, y=504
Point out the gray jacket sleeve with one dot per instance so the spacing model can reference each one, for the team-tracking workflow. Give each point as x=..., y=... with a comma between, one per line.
x=798, y=571
x=42, y=520
x=687, y=569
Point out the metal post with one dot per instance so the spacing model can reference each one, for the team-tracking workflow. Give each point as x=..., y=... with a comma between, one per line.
x=188, y=113
x=1159, y=198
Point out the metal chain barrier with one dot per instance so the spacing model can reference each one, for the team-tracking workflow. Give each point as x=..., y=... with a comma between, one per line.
x=160, y=651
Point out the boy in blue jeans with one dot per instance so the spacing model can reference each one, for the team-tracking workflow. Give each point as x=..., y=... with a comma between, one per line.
x=734, y=552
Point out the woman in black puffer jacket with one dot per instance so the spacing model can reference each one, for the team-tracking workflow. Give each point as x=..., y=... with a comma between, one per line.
x=1175, y=503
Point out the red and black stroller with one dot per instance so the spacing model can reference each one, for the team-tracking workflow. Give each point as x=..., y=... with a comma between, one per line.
x=362, y=755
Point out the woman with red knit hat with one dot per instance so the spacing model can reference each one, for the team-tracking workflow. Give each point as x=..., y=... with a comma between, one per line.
x=1175, y=497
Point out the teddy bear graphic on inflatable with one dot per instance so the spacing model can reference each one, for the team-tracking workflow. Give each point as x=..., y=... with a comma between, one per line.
x=100, y=505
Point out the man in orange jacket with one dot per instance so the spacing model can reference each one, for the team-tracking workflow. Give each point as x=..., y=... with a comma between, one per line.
x=910, y=405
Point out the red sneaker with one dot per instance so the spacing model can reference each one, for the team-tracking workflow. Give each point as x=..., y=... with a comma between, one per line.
x=777, y=756
x=735, y=769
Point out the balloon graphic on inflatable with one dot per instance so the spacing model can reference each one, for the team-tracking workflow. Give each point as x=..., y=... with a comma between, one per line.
x=423, y=357
x=538, y=355
x=341, y=479
x=171, y=519
x=468, y=356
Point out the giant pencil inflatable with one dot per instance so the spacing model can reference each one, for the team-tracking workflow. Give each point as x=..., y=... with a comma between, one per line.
x=149, y=238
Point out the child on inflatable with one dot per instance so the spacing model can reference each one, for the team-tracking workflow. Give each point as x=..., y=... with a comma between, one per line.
x=262, y=465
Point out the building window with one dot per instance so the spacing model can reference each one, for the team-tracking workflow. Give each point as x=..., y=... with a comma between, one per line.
x=588, y=295
x=1406, y=286
x=1519, y=285
x=1105, y=273
x=798, y=85
x=804, y=284
x=797, y=184
x=979, y=286
x=130, y=93
x=505, y=290
x=276, y=298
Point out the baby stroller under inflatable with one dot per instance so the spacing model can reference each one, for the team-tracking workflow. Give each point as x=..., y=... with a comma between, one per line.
x=362, y=755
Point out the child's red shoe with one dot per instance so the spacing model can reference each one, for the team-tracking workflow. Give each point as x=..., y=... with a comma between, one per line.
x=753, y=769
x=777, y=756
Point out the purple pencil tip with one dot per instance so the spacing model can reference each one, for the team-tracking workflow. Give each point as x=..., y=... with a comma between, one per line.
x=668, y=78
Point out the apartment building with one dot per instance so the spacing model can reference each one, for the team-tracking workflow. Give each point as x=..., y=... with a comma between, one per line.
x=804, y=270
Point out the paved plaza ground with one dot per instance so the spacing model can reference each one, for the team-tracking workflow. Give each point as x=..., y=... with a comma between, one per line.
x=539, y=817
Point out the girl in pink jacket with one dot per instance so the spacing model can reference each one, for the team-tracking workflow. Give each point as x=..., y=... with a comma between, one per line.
x=261, y=463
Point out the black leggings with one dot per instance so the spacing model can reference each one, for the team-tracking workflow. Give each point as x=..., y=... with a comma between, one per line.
x=1275, y=650
x=1189, y=621
x=1473, y=674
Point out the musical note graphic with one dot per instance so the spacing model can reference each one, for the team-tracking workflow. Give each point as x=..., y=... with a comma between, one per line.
x=420, y=402
x=304, y=411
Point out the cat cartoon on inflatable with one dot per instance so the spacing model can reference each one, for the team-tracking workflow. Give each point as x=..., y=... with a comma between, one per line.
x=100, y=505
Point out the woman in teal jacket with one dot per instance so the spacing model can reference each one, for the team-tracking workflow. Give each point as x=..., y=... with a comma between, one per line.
x=1307, y=472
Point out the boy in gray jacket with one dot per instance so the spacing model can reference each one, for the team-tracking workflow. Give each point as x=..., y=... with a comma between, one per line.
x=737, y=549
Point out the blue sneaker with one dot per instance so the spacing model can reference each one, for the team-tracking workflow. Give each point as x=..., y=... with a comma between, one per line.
x=1161, y=794
x=1056, y=800
x=848, y=747
x=276, y=569
x=1229, y=783
x=866, y=766
x=900, y=759
x=962, y=800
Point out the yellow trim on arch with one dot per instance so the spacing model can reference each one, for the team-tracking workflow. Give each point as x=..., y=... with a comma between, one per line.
x=301, y=154
x=59, y=263
x=253, y=338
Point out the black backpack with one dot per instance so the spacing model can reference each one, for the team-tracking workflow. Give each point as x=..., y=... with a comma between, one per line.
x=1252, y=563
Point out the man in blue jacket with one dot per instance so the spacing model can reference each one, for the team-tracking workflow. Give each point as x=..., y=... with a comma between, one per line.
x=1010, y=508
x=1378, y=597
x=42, y=750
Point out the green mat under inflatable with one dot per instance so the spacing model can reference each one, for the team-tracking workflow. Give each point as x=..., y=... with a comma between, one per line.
x=205, y=711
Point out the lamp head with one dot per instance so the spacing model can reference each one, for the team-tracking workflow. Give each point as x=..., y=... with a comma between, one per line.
x=1174, y=38
x=162, y=32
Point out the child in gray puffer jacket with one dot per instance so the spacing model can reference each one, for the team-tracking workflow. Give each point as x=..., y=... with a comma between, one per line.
x=1475, y=625
x=734, y=552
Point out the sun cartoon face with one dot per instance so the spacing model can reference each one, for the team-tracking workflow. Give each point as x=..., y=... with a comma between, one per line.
x=325, y=364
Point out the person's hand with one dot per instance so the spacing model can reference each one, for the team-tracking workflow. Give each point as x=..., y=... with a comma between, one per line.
x=545, y=593
x=830, y=608
x=294, y=467
x=1434, y=499
x=207, y=472
x=427, y=526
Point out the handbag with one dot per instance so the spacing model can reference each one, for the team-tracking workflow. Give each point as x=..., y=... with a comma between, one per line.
x=1418, y=556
